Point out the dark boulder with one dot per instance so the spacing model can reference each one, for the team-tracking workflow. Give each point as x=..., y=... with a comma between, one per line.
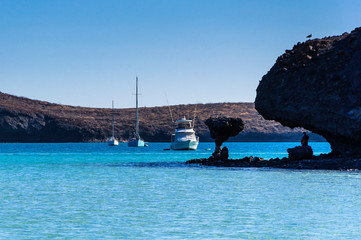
x=300, y=152
x=317, y=86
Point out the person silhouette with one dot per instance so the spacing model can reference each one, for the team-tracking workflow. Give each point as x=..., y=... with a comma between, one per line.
x=304, y=139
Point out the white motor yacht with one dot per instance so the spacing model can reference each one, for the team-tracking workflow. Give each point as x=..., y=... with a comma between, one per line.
x=184, y=137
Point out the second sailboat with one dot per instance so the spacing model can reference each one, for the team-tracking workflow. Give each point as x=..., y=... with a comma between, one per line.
x=135, y=139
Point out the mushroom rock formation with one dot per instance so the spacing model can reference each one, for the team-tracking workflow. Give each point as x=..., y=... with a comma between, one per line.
x=317, y=86
x=221, y=128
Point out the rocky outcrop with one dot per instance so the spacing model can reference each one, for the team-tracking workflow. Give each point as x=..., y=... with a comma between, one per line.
x=221, y=129
x=317, y=86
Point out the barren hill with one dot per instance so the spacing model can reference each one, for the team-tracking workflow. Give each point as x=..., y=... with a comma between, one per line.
x=26, y=120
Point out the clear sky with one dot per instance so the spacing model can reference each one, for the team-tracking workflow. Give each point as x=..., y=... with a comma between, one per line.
x=88, y=53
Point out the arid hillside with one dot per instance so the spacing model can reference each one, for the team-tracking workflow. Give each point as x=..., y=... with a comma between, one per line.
x=26, y=120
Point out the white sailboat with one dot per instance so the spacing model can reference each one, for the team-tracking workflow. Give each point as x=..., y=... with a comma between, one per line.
x=184, y=137
x=135, y=139
x=112, y=141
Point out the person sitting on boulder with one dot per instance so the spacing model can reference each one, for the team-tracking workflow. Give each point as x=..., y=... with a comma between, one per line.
x=224, y=153
x=304, y=140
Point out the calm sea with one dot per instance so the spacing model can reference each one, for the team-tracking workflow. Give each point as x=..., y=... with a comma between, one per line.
x=93, y=191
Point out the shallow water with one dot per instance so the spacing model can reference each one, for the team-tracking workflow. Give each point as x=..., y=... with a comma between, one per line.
x=92, y=191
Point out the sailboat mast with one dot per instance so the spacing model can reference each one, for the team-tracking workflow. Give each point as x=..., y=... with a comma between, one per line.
x=136, y=105
x=113, y=118
x=194, y=118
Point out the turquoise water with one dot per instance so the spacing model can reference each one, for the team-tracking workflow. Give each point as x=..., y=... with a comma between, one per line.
x=92, y=191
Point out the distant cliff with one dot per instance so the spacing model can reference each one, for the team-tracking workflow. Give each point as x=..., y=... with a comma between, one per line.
x=26, y=120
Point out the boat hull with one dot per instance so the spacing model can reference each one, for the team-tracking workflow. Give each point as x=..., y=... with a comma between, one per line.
x=184, y=145
x=136, y=143
x=113, y=143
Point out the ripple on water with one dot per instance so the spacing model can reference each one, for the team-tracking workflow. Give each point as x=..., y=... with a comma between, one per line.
x=92, y=192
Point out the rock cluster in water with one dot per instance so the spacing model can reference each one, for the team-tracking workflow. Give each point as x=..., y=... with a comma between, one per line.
x=316, y=163
x=317, y=85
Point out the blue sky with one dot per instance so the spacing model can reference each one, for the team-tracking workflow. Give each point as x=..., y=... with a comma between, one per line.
x=88, y=53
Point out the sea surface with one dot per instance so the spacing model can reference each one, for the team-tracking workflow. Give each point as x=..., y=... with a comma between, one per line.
x=93, y=191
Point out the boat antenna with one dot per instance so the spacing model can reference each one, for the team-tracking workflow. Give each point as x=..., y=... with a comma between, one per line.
x=113, y=118
x=136, y=106
x=194, y=117
x=170, y=111
x=179, y=112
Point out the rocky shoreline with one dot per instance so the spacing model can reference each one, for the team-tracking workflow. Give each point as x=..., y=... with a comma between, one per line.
x=299, y=157
x=322, y=162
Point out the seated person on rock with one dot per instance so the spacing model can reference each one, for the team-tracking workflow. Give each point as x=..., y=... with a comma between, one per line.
x=304, y=140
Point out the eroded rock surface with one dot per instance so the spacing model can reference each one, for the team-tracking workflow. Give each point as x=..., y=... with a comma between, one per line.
x=222, y=128
x=317, y=85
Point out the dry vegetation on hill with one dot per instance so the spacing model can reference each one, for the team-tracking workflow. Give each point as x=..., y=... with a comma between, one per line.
x=26, y=120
